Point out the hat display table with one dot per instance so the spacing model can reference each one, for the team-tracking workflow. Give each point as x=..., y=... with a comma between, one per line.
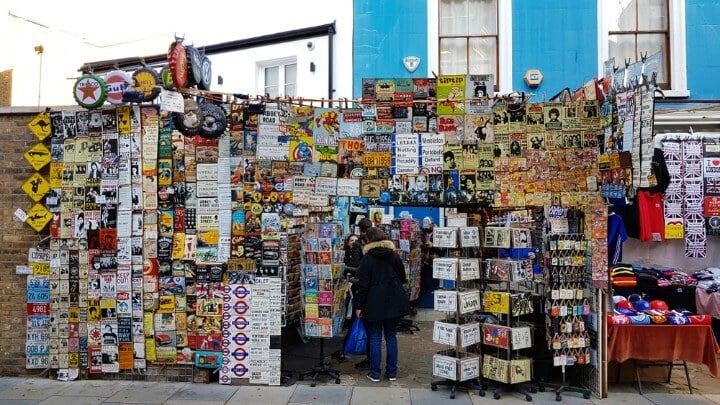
x=669, y=344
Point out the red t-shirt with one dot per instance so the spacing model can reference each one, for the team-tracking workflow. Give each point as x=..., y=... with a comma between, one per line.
x=652, y=220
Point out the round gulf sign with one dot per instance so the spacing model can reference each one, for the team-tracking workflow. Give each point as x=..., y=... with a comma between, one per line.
x=90, y=91
x=117, y=81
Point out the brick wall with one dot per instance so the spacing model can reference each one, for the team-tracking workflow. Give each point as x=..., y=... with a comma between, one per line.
x=15, y=237
x=15, y=240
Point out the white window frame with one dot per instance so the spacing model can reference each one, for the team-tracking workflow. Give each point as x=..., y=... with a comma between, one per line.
x=504, y=33
x=280, y=63
x=678, y=51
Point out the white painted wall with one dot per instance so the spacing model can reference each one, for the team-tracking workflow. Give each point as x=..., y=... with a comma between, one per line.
x=74, y=32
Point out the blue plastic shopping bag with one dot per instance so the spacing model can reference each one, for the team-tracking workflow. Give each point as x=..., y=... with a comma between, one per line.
x=358, y=338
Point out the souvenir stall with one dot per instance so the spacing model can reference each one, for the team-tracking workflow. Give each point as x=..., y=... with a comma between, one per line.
x=192, y=228
x=659, y=189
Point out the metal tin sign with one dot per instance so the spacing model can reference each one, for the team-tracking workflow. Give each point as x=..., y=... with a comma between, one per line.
x=38, y=289
x=36, y=187
x=40, y=126
x=117, y=81
x=38, y=217
x=38, y=308
x=90, y=91
x=36, y=361
x=38, y=156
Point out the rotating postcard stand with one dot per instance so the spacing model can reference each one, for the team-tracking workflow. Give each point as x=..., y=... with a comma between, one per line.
x=324, y=291
x=459, y=368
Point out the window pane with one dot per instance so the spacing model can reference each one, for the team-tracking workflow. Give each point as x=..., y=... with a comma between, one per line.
x=271, y=81
x=622, y=15
x=291, y=73
x=453, y=17
x=482, y=53
x=453, y=56
x=652, y=15
x=289, y=90
x=483, y=17
x=622, y=47
x=652, y=44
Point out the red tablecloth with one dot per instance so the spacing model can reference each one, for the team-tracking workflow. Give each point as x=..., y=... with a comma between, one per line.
x=692, y=343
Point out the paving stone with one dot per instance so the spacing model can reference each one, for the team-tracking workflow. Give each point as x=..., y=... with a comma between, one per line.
x=146, y=393
x=94, y=388
x=204, y=392
x=672, y=399
x=72, y=400
x=33, y=388
x=380, y=395
x=261, y=395
x=426, y=396
x=623, y=398
x=713, y=397
x=323, y=394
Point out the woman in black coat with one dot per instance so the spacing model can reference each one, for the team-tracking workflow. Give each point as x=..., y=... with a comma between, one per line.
x=381, y=300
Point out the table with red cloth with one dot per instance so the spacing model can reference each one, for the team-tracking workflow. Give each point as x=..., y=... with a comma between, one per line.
x=664, y=343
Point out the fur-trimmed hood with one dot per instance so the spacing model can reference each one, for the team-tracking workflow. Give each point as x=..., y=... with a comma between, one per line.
x=379, y=245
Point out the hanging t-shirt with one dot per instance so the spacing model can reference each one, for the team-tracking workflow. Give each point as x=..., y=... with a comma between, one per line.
x=616, y=236
x=652, y=220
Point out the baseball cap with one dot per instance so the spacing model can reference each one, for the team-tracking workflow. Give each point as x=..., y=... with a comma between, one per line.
x=625, y=305
x=659, y=305
x=634, y=297
x=641, y=305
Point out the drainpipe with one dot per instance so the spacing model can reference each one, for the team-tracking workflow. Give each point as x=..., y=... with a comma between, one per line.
x=331, y=90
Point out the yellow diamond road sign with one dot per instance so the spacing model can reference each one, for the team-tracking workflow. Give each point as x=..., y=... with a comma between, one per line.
x=38, y=156
x=38, y=217
x=36, y=187
x=40, y=126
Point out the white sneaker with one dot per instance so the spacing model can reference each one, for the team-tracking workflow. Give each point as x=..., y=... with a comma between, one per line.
x=373, y=379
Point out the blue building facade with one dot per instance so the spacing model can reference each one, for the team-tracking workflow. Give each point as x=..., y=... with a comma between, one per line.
x=560, y=38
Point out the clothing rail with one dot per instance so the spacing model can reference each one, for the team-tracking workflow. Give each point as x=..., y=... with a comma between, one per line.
x=691, y=136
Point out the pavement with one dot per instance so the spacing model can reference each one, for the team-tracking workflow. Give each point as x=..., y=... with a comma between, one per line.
x=412, y=386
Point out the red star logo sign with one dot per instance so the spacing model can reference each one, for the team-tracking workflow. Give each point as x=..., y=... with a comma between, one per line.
x=88, y=88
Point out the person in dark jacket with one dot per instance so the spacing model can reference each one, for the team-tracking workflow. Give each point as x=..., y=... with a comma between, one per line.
x=381, y=300
x=353, y=257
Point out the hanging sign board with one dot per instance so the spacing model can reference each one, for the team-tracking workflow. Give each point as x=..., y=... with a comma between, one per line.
x=38, y=156
x=36, y=187
x=40, y=126
x=38, y=217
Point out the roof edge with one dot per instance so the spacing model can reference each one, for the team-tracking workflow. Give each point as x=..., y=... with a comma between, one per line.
x=262, y=40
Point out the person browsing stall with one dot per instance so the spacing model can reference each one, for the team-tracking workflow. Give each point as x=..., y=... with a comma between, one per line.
x=381, y=300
